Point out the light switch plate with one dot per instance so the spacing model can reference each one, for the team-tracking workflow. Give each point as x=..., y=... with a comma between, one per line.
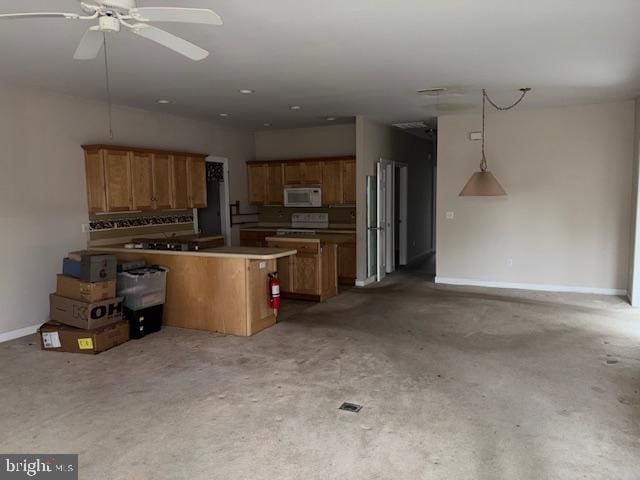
x=475, y=135
x=450, y=215
x=263, y=265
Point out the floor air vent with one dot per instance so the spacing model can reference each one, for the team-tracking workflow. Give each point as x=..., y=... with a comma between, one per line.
x=350, y=407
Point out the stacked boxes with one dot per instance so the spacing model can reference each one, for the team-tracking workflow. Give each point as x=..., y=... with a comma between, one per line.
x=85, y=316
x=144, y=291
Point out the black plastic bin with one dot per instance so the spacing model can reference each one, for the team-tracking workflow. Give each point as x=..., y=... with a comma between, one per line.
x=144, y=321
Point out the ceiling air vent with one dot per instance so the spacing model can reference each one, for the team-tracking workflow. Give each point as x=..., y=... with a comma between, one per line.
x=432, y=92
x=410, y=125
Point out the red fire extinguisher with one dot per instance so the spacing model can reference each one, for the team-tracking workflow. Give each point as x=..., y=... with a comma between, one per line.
x=274, y=292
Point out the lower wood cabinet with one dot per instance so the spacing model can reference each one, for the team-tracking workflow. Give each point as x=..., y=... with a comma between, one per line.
x=123, y=179
x=310, y=274
x=347, y=263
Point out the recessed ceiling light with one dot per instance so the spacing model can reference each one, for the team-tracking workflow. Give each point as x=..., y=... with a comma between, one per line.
x=266, y=124
x=246, y=91
x=295, y=107
x=164, y=101
x=330, y=119
x=224, y=114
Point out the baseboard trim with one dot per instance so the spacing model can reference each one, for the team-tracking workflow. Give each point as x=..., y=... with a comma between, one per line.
x=364, y=283
x=21, y=332
x=529, y=286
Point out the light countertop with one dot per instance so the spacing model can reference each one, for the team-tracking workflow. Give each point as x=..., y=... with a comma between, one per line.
x=248, y=253
x=342, y=231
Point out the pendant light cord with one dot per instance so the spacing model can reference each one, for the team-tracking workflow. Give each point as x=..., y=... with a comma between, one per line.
x=108, y=86
x=485, y=99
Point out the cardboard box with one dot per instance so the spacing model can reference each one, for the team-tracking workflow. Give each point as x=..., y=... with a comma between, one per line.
x=58, y=337
x=85, y=315
x=90, y=266
x=85, y=292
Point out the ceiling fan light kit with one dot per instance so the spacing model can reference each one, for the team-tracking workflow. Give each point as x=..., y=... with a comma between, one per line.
x=484, y=183
x=112, y=15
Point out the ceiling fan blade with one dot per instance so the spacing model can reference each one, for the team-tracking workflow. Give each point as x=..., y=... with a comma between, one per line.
x=170, y=41
x=90, y=45
x=19, y=16
x=170, y=14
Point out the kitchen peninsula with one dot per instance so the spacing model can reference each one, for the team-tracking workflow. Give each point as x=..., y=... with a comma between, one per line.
x=223, y=289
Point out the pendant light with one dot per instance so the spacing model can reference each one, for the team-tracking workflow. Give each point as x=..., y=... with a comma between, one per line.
x=483, y=183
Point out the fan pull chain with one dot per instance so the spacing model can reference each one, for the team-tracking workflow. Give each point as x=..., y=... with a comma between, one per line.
x=106, y=70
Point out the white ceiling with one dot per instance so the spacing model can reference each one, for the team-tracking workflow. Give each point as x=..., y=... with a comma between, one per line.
x=343, y=57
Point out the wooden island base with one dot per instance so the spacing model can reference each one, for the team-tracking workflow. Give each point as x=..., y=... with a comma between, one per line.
x=226, y=294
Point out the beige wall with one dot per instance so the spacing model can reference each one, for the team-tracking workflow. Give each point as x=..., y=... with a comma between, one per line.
x=42, y=186
x=565, y=221
x=634, y=262
x=327, y=141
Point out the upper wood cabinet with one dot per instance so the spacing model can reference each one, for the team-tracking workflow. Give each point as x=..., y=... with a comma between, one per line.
x=274, y=194
x=336, y=176
x=257, y=179
x=197, y=182
x=142, y=180
x=332, y=183
x=348, y=181
x=303, y=173
x=96, y=193
x=117, y=173
x=162, y=181
x=123, y=179
x=180, y=184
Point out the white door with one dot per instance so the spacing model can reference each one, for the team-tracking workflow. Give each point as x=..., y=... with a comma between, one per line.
x=381, y=222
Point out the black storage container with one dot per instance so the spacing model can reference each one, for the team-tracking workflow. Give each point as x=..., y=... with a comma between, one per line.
x=145, y=321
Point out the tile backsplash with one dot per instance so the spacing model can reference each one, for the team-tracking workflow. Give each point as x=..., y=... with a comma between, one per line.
x=341, y=215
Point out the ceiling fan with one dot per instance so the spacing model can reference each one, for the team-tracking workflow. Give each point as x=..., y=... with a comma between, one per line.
x=114, y=14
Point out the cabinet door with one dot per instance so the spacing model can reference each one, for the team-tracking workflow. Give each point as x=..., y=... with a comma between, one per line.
x=197, y=182
x=292, y=173
x=347, y=262
x=274, y=189
x=161, y=181
x=96, y=189
x=142, y=180
x=348, y=181
x=180, y=182
x=331, y=183
x=117, y=171
x=306, y=275
x=257, y=177
x=311, y=173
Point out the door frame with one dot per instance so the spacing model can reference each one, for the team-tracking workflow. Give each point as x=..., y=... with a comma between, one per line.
x=403, y=211
x=391, y=222
x=225, y=220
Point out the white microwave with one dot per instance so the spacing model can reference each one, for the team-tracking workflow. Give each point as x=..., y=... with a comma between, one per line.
x=303, y=197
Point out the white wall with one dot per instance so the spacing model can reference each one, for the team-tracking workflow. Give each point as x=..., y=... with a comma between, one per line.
x=326, y=141
x=565, y=221
x=634, y=262
x=42, y=186
x=373, y=142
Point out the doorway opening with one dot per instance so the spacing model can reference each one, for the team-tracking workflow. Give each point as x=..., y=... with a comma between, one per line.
x=214, y=218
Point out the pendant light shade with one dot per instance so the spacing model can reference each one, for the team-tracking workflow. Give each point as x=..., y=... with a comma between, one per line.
x=482, y=184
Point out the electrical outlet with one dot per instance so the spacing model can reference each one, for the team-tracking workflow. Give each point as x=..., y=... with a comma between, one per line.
x=85, y=227
x=510, y=262
x=450, y=215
